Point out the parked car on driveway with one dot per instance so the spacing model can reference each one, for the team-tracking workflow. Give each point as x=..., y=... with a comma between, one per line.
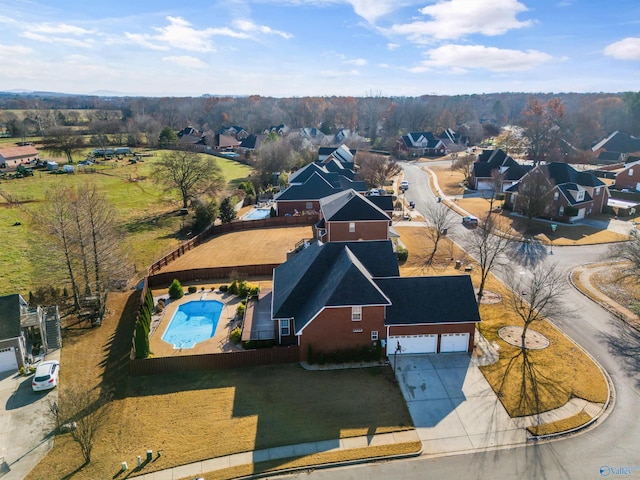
x=470, y=221
x=46, y=376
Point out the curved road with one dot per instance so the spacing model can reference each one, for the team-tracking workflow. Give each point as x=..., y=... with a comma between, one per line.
x=611, y=450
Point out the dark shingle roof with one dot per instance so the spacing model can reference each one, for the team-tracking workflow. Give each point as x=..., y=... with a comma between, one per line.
x=302, y=174
x=331, y=274
x=619, y=142
x=605, y=156
x=9, y=316
x=314, y=188
x=383, y=202
x=564, y=173
x=569, y=190
x=420, y=300
x=350, y=206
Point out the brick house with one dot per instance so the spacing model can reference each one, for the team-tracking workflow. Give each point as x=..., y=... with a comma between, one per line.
x=420, y=144
x=347, y=295
x=495, y=161
x=348, y=216
x=564, y=190
x=629, y=177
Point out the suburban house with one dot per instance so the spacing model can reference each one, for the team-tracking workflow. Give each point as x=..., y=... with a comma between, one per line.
x=420, y=144
x=14, y=156
x=347, y=295
x=619, y=142
x=492, y=162
x=342, y=154
x=251, y=142
x=350, y=216
x=225, y=143
x=281, y=129
x=304, y=197
x=235, y=131
x=629, y=177
x=453, y=141
x=26, y=332
x=569, y=195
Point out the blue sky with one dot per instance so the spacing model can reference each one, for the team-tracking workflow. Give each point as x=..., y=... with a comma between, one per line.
x=289, y=48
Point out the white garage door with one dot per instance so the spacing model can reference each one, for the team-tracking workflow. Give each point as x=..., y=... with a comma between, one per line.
x=8, y=360
x=411, y=344
x=454, y=342
x=581, y=213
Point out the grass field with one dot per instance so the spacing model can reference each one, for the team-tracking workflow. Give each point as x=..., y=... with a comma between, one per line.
x=147, y=217
x=199, y=415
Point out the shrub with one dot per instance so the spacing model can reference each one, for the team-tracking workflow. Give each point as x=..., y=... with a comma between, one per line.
x=311, y=359
x=570, y=211
x=402, y=254
x=243, y=289
x=240, y=310
x=254, y=291
x=192, y=289
x=175, y=290
x=224, y=288
x=272, y=212
x=233, y=288
x=236, y=335
x=500, y=196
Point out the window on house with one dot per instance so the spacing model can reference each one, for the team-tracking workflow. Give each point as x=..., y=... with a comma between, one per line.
x=597, y=190
x=580, y=195
x=561, y=211
x=630, y=171
x=309, y=206
x=352, y=227
x=285, y=329
x=374, y=335
x=357, y=330
x=356, y=313
x=556, y=195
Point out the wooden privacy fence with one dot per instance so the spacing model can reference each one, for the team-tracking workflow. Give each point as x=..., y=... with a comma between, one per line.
x=214, y=361
x=242, y=225
x=197, y=274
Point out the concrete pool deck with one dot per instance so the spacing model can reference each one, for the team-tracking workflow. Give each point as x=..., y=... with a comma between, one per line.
x=217, y=344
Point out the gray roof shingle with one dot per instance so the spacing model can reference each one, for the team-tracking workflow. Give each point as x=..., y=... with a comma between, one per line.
x=9, y=316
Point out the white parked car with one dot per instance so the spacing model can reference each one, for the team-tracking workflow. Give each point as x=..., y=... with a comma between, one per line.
x=404, y=185
x=46, y=376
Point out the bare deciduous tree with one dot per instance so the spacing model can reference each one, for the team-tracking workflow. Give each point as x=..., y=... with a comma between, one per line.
x=463, y=164
x=487, y=243
x=191, y=174
x=83, y=413
x=440, y=219
x=629, y=254
x=376, y=168
x=61, y=140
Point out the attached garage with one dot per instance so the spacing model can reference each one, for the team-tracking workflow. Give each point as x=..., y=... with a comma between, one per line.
x=412, y=344
x=8, y=360
x=454, y=342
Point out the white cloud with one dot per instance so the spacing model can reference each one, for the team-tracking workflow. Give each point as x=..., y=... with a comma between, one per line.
x=61, y=28
x=9, y=51
x=180, y=34
x=185, y=61
x=75, y=42
x=625, y=49
x=248, y=26
x=461, y=58
x=392, y=46
x=453, y=19
x=359, y=62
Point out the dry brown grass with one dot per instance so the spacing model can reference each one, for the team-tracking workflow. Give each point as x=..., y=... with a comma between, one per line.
x=199, y=415
x=563, y=369
x=561, y=425
x=449, y=180
x=251, y=247
x=316, y=459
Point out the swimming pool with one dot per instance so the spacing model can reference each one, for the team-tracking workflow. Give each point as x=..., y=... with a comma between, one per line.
x=257, y=214
x=193, y=322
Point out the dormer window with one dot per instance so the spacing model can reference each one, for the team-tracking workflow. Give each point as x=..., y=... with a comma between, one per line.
x=580, y=195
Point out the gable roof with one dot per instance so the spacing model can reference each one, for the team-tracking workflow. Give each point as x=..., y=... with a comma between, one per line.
x=564, y=173
x=10, y=153
x=619, y=142
x=350, y=206
x=383, y=202
x=331, y=274
x=252, y=141
x=314, y=188
x=10, y=316
x=420, y=300
x=570, y=190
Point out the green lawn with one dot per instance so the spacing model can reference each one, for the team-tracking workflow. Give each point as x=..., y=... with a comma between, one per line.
x=147, y=216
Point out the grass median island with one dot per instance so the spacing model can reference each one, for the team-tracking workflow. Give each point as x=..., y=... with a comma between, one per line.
x=200, y=415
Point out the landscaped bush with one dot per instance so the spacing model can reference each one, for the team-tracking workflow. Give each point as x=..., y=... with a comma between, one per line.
x=254, y=290
x=192, y=289
x=240, y=309
x=402, y=253
x=175, y=290
x=500, y=196
x=570, y=211
x=236, y=335
x=224, y=288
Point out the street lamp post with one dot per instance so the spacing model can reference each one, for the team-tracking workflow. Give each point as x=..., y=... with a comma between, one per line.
x=553, y=230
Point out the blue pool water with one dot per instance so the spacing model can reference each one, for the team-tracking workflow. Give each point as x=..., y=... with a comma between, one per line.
x=257, y=214
x=193, y=322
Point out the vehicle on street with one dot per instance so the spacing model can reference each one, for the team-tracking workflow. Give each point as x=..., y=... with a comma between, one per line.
x=46, y=376
x=470, y=221
x=404, y=185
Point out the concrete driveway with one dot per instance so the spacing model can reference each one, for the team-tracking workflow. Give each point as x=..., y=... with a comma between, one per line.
x=452, y=406
x=25, y=425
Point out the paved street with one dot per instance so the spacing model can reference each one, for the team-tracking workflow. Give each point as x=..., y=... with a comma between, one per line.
x=597, y=453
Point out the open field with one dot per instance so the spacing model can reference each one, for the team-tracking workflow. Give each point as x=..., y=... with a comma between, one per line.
x=148, y=218
x=198, y=415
